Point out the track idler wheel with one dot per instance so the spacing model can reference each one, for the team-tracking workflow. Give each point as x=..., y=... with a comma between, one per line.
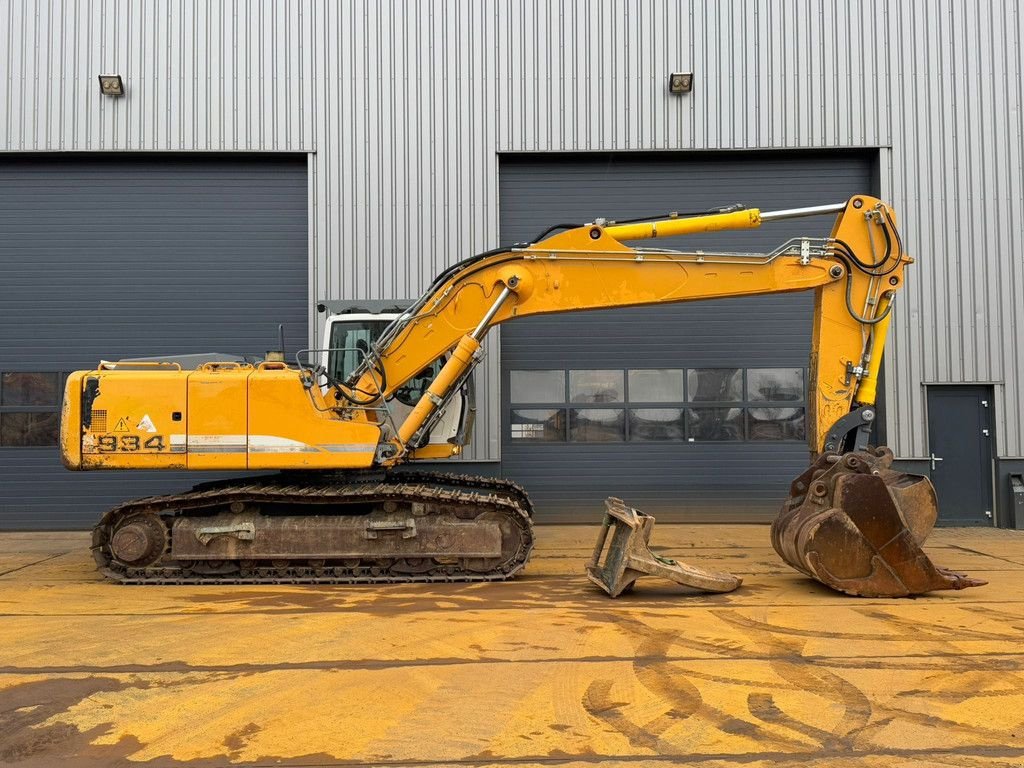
x=856, y=525
x=139, y=540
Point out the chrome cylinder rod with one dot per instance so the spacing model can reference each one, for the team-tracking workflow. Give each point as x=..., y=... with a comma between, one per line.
x=481, y=329
x=796, y=213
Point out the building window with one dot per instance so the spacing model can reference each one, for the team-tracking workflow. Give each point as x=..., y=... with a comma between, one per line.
x=546, y=425
x=714, y=385
x=775, y=384
x=29, y=408
x=596, y=387
x=537, y=387
x=657, y=424
x=714, y=423
x=656, y=385
x=597, y=425
x=775, y=423
x=658, y=405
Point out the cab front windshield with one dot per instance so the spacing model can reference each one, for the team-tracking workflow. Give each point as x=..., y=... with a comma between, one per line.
x=350, y=343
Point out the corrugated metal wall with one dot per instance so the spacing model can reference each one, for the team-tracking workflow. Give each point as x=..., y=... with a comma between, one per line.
x=406, y=106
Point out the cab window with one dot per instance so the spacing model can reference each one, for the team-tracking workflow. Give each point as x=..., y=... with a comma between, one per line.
x=411, y=392
x=350, y=342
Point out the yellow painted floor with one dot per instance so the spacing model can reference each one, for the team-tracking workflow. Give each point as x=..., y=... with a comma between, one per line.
x=542, y=671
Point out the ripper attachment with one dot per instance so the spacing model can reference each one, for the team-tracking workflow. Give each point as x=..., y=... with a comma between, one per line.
x=628, y=556
x=857, y=525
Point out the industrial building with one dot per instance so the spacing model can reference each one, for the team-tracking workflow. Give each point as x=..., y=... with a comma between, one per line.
x=185, y=176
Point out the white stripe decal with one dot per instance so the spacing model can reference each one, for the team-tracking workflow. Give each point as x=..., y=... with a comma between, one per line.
x=259, y=444
x=274, y=444
x=213, y=440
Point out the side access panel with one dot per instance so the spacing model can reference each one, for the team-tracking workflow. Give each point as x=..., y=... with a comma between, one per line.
x=128, y=417
x=291, y=427
x=218, y=405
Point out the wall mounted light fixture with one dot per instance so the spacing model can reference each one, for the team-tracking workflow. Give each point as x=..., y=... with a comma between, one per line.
x=680, y=82
x=111, y=85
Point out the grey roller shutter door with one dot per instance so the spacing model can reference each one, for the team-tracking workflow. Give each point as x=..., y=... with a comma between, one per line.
x=114, y=256
x=724, y=481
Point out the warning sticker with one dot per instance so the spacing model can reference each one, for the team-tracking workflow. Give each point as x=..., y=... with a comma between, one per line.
x=146, y=425
x=122, y=425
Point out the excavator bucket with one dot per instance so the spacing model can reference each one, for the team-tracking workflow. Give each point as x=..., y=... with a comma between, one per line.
x=857, y=525
x=628, y=556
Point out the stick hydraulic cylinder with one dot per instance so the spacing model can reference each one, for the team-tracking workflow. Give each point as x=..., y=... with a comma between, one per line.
x=461, y=360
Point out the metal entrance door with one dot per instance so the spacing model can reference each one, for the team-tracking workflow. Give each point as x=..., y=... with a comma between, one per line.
x=960, y=437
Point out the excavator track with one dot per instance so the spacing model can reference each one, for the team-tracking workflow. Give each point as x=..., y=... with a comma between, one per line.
x=400, y=527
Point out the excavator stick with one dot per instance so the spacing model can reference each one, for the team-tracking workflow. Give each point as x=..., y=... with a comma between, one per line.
x=857, y=525
x=628, y=556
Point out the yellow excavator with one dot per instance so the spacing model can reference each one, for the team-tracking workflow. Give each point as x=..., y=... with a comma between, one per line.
x=341, y=508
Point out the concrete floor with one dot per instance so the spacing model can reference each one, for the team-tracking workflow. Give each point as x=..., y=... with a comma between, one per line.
x=541, y=671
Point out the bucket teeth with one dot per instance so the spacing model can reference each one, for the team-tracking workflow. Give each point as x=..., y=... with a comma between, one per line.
x=856, y=525
x=629, y=557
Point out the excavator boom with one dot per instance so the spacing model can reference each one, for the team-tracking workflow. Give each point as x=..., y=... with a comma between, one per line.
x=307, y=524
x=592, y=268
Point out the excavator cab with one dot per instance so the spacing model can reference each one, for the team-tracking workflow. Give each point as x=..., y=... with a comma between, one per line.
x=349, y=334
